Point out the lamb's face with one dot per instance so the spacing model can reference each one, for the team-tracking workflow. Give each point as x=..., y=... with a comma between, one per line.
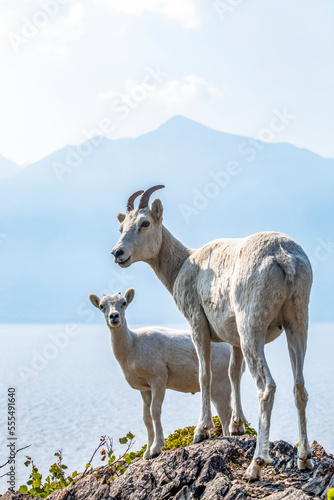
x=113, y=306
x=141, y=235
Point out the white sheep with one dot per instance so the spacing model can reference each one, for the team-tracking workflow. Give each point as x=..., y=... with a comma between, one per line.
x=154, y=359
x=243, y=291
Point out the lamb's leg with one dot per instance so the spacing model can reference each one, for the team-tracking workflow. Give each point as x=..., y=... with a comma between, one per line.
x=253, y=351
x=147, y=396
x=297, y=348
x=158, y=394
x=201, y=338
x=221, y=398
x=235, y=372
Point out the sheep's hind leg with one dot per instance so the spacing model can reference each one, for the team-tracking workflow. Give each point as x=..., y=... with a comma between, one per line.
x=297, y=348
x=158, y=394
x=235, y=371
x=202, y=342
x=147, y=396
x=253, y=351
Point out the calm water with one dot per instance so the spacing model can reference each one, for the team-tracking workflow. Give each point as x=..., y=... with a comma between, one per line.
x=70, y=391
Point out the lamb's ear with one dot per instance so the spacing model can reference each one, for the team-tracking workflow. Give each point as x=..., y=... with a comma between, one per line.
x=156, y=209
x=94, y=300
x=129, y=294
x=120, y=217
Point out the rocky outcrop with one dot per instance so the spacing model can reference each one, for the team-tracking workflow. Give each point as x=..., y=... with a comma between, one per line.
x=208, y=471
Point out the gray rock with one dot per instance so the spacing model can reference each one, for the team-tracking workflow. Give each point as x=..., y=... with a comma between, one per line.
x=289, y=494
x=211, y=470
x=329, y=486
x=237, y=492
x=217, y=488
x=166, y=476
x=321, y=477
x=10, y=495
x=184, y=494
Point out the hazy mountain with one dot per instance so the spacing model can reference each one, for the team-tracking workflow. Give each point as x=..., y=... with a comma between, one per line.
x=58, y=224
x=8, y=168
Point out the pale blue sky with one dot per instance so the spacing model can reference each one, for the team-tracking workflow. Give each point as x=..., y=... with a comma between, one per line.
x=71, y=74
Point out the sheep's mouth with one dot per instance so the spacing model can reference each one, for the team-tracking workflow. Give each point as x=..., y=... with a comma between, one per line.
x=124, y=262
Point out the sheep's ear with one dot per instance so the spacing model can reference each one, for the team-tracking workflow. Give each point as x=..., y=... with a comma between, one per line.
x=129, y=294
x=94, y=300
x=156, y=209
x=120, y=217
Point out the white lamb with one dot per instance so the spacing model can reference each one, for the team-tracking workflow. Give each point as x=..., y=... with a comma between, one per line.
x=154, y=359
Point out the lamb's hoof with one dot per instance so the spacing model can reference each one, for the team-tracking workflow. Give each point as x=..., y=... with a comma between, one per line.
x=305, y=464
x=154, y=455
x=239, y=432
x=237, y=428
x=200, y=437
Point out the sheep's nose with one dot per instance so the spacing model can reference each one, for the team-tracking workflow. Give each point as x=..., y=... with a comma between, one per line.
x=117, y=254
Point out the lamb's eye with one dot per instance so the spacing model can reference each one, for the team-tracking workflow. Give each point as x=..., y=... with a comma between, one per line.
x=146, y=223
x=101, y=307
x=124, y=304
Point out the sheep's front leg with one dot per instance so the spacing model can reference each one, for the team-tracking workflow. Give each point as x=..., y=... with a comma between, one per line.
x=158, y=394
x=201, y=338
x=235, y=372
x=147, y=397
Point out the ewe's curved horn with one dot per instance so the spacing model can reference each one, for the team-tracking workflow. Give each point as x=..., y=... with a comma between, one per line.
x=145, y=198
x=129, y=205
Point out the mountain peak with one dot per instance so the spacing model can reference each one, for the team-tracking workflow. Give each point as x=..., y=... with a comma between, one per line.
x=180, y=121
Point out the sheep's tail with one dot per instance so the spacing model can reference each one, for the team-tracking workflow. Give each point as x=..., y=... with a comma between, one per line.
x=286, y=263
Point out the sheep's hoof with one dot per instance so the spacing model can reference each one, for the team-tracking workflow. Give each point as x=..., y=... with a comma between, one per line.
x=199, y=438
x=304, y=464
x=251, y=478
x=154, y=455
x=253, y=472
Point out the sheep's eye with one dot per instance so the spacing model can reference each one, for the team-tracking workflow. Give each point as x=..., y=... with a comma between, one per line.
x=146, y=223
x=101, y=307
x=124, y=304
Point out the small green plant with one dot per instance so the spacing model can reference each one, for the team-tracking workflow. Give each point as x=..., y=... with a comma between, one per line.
x=55, y=481
x=116, y=466
x=180, y=438
x=59, y=479
x=249, y=430
x=140, y=453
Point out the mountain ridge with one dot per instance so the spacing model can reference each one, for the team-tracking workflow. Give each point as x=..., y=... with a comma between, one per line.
x=169, y=125
x=59, y=228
